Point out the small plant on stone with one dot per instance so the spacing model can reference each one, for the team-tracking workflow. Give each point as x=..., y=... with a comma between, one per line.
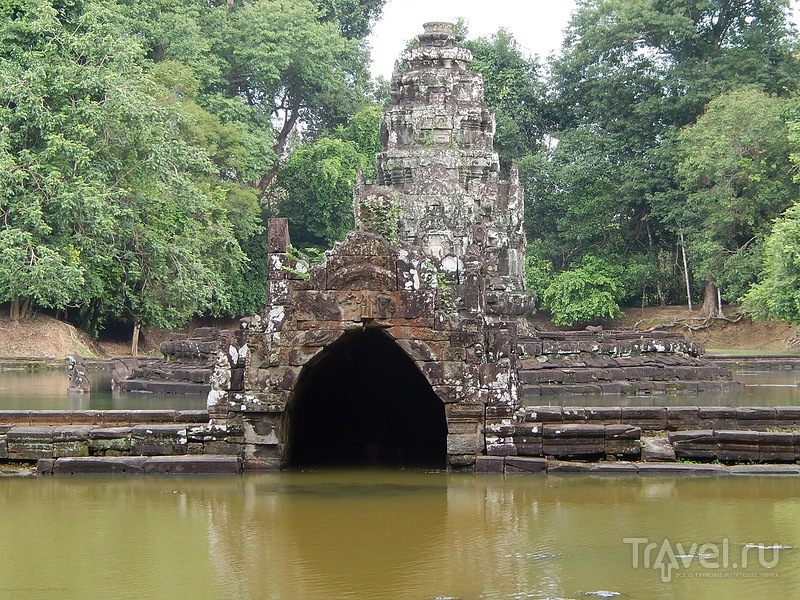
x=447, y=300
x=381, y=215
x=303, y=261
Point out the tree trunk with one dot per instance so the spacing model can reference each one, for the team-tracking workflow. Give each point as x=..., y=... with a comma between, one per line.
x=659, y=288
x=135, y=339
x=13, y=312
x=710, y=307
x=686, y=273
x=21, y=308
x=279, y=148
x=26, y=312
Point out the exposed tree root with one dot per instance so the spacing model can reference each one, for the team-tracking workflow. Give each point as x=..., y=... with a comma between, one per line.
x=794, y=341
x=696, y=324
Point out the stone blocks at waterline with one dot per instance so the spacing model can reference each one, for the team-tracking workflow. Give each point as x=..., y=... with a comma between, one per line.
x=464, y=364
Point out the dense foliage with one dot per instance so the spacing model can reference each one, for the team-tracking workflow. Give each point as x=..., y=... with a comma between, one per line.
x=138, y=141
x=144, y=142
x=669, y=140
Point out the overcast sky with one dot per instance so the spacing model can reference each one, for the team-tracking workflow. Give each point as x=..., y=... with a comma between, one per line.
x=536, y=24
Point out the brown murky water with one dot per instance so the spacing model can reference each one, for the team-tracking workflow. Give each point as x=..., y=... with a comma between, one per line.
x=399, y=535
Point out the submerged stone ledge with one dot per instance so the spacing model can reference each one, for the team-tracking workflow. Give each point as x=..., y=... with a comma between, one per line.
x=141, y=465
x=522, y=465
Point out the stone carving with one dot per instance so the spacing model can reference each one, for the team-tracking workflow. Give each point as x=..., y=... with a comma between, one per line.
x=440, y=172
x=78, y=376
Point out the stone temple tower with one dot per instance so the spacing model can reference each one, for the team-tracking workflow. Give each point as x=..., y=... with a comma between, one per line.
x=439, y=174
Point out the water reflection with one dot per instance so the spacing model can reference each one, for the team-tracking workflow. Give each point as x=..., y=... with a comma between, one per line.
x=767, y=387
x=378, y=534
x=47, y=390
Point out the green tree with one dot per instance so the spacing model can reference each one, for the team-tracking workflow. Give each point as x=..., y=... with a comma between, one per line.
x=98, y=184
x=354, y=18
x=513, y=88
x=777, y=295
x=733, y=164
x=288, y=67
x=585, y=294
x=364, y=131
x=319, y=180
x=630, y=75
x=264, y=67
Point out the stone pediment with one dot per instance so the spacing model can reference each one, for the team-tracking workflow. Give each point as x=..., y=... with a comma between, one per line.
x=363, y=243
x=361, y=262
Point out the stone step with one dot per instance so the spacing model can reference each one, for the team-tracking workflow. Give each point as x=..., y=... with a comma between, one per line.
x=200, y=373
x=583, y=375
x=164, y=386
x=205, y=464
x=33, y=442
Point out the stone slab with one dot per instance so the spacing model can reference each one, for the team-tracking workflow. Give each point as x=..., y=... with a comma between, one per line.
x=576, y=431
x=44, y=466
x=620, y=466
x=99, y=465
x=501, y=449
x=559, y=466
x=543, y=414
x=765, y=469
x=665, y=468
x=657, y=449
x=30, y=442
x=159, y=440
x=489, y=464
x=205, y=464
x=524, y=464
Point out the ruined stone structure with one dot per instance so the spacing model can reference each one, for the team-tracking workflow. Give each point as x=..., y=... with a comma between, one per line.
x=402, y=345
x=397, y=346
x=408, y=344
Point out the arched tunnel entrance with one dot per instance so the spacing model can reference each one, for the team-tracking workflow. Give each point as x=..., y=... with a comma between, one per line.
x=363, y=401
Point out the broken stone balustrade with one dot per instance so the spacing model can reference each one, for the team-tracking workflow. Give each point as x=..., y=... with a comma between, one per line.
x=186, y=368
x=597, y=361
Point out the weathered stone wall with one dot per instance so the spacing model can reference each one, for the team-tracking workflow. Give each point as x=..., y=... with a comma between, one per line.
x=186, y=368
x=667, y=418
x=115, y=441
x=141, y=442
x=364, y=282
x=616, y=362
x=699, y=433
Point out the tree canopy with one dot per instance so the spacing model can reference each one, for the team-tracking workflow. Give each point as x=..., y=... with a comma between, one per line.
x=144, y=142
x=137, y=138
x=646, y=161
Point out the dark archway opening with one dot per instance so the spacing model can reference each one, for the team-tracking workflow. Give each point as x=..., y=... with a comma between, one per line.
x=363, y=401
